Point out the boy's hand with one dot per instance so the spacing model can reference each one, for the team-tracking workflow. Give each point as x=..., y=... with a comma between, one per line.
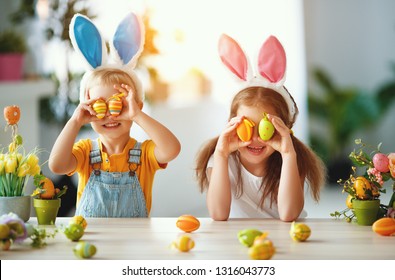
x=84, y=112
x=130, y=106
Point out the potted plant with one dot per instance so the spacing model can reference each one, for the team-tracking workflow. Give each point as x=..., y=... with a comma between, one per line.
x=364, y=190
x=46, y=200
x=12, y=49
x=16, y=166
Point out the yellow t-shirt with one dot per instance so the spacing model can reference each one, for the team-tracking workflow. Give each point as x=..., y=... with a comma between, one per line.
x=117, y=163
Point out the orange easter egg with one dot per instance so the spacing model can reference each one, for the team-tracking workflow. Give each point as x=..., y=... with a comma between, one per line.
x=115, y=106
x=187, y=223
x=384, y=226
x=244, y=130
x=12, y=114
x=100, y=108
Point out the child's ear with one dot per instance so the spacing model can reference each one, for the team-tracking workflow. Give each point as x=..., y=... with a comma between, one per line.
x=87, y=95
x=141, y=105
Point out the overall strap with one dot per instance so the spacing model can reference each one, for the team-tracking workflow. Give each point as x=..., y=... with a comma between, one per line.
x=134, y=158
x=95, y=155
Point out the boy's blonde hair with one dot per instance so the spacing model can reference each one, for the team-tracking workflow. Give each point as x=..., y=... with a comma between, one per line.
x=109, y=77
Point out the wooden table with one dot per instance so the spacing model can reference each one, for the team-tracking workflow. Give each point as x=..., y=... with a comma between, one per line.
x=150, y=239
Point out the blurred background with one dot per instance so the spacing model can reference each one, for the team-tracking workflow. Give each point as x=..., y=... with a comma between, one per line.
x=340, y=70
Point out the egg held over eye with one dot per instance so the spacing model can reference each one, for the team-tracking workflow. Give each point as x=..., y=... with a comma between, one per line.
x=100, y=107
x=188, y=223
x=244, y=130
x=115, y=105
x=266, y=128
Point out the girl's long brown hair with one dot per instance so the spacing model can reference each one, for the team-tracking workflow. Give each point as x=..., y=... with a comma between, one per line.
x=309, y=164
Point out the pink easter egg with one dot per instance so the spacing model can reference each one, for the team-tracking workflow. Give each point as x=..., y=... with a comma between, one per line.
x=381, y=162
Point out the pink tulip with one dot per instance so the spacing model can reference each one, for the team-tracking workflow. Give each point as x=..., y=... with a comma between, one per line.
x=391, y=158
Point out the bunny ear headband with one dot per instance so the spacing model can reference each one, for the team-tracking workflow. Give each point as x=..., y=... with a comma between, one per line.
x=271, y=67
x=125, y=48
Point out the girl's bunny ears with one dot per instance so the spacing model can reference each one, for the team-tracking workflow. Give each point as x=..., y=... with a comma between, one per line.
x=271, y=67
x=125, y=48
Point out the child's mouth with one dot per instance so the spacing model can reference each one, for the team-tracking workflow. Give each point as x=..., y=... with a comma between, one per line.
x=255, y=150
x=111, y=125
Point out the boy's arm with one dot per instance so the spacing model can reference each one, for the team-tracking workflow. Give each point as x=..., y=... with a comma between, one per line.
x=61, y=159
x=167, y=146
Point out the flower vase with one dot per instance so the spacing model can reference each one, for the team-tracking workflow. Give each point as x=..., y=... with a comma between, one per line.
x=46, y=210
x=19, y=205
x=366, y=211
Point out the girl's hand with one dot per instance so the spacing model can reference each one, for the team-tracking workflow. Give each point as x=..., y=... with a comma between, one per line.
x=130, y=107
x=228, y=140
x=84, y=112
x=281, y=140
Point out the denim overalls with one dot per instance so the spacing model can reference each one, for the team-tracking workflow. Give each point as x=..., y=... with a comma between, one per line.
x=113, y=194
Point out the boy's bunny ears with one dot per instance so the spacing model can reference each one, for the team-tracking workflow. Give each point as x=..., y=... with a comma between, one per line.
x=125, y=48
x=271, y=67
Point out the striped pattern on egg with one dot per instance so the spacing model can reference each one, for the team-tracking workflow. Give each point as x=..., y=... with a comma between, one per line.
x=115, y=106
x=100, y=108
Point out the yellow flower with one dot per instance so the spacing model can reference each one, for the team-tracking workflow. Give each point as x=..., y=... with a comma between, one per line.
x=35, y=170
x=23, y=170
x=10, y=163
x=32, y=160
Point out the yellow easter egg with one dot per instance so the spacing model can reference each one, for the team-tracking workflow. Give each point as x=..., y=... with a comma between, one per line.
x=299, y=231
x=262, y=250
x=184, y=243
x=100, y=108
x=80, y=220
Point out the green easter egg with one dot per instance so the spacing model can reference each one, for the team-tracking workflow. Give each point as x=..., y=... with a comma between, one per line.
x=266, y=129
x=74, y=232
x=84, y=250
x=247, y=236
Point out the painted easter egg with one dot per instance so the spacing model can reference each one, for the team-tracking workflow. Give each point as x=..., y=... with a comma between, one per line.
x=262, y=251
x=381, y=162
x=349, y=200
x=266, y=128
x=80, y=220
x=100, y=108
x=74, y=232
x=115, y=106
x=184, y=243
x=188, y=223
x=361, y=187
x=299, y=232
x=245, y=129
x=261, y=239
x=12, y=114
x=84, y=250
x=247, y=236
x=384, y=226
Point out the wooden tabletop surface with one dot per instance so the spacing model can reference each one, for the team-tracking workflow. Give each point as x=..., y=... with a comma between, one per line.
x=151, y=238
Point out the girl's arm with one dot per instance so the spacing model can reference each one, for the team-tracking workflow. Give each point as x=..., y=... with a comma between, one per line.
x=61, y=159
x=290, y=198
x=219, y=191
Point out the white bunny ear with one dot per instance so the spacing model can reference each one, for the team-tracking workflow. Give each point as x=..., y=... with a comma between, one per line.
x=128, y=41
x=272, y=60
x=87, y=41
x=233, y=57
